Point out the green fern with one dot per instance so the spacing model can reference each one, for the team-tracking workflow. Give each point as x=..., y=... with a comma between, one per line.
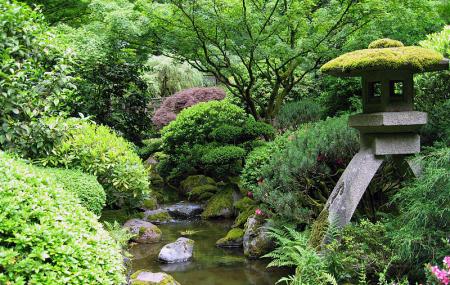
x=293, y=250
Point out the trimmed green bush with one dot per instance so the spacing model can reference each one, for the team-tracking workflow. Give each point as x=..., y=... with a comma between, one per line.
x=47, y=237
x=211, y=138
x=97, y=150
x=84, y=186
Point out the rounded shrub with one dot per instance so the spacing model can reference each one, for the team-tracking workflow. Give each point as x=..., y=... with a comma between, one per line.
x=84, y=186
x=210, y=138
x=47, y=237
x=97, y=150
x=194, y=125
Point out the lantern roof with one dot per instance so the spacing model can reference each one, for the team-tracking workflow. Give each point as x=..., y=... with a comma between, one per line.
x=384, y=55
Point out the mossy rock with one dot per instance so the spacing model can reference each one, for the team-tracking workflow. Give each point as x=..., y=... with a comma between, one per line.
x=241, y=219
x=415, y=59
x=156, y=181
x=319, y=229
x=245, y=203
x=166, y=195
x=150, y=203
x=158, y=217
x=220, y=205
x=202, y=193
x=234, y=238
x=385, y=43
x=195, y=181
x=143, y=277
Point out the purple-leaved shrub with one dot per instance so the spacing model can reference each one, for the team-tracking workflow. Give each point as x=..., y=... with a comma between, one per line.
x=172, y=105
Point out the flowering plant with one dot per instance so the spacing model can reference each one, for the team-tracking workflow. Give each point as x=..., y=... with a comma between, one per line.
x=442, y=275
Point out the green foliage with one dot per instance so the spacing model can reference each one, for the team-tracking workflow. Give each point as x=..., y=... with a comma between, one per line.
x=262, y=50
x=419, y=233
x=119, y=234
x=294, y=114
x=149, y=147
x=109, y=66
x=164, y=76
x=35, y=80
x=210, y=138
x=257, y=158
x=84, y=186
x=433, y=92
x=97, y=150
x=298, y=179
x=293, y=250
x=47, y=237
x=361, y=248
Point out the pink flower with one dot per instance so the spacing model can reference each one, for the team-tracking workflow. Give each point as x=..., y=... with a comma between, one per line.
x=447, y=261
x=258, y=212
x=250, y=195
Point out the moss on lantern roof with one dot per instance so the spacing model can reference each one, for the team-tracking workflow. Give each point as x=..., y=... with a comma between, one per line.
x=385, y=43
x=411, y=58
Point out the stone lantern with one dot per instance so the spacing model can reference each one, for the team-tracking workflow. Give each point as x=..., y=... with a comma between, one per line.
x=388, y=125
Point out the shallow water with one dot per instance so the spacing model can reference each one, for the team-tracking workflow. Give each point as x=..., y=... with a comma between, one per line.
x=210, y=265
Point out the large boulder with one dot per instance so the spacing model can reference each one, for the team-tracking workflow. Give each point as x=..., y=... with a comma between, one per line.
x=179, y=251
x=142, y=277
x=159, y=216
x=220, y=205
x=257, y=241
x=184, y=210
x=234, y=238
x=197, y=187
x=145, y=232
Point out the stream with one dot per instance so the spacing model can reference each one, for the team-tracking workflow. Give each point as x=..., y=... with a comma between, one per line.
x=210, y=265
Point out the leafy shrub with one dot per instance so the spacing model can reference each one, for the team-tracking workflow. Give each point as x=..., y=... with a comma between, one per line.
x=293, y=114
x=172, y=105
x=224, y=160
x=84, y=186
x=361, y=249
x=257, y=158
x=296, y=182
x=95, y=149
x=149, y=147
x=47, y=237
x=35, y=80
x=210, y=138
x=164, y=76
x=433, y=92
x=419, y=233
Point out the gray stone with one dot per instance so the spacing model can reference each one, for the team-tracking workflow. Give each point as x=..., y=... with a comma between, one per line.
x=179, y=251
x=159, y=216
x=257, y=241
x=145, y=232
x=351, y=186
x=142, y=277
x=185, y=210
x=390, y=144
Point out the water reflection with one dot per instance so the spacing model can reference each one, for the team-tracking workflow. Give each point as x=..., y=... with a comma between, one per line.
x=210, y=265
